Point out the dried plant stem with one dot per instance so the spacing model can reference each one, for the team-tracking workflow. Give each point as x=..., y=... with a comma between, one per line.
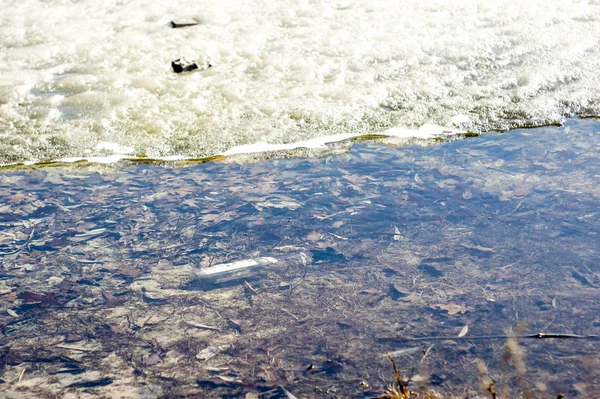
x=491, y=390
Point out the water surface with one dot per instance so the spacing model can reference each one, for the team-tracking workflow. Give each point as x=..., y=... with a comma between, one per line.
x=477, y=238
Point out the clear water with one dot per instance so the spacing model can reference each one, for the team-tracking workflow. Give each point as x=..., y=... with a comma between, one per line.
x=473, y=237
x=93, y=79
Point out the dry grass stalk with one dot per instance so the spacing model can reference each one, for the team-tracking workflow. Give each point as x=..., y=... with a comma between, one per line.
x=491, y=390
x=400, y=389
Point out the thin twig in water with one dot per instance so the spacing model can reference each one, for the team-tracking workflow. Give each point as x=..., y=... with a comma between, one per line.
x=488, y=337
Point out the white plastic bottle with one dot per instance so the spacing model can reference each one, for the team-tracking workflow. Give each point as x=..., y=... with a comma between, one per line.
x=236, y=272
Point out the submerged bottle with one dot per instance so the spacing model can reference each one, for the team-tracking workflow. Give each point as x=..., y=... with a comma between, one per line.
x=248, y=269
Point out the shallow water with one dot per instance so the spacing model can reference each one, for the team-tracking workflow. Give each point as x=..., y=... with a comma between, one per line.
x=411, y=247
x=88, y=79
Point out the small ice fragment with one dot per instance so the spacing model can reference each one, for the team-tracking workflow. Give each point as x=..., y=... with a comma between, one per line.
x=397, y=235
x=426, y=131
x=316, y=143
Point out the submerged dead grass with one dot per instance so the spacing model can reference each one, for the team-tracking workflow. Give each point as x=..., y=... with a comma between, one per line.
x=453, y=243
x=399, y=390
x=514, y=356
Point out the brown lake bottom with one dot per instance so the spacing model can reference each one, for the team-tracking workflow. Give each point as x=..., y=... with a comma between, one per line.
x=469, y=262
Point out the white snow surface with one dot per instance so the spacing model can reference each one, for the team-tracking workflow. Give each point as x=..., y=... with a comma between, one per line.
x=92, y=79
